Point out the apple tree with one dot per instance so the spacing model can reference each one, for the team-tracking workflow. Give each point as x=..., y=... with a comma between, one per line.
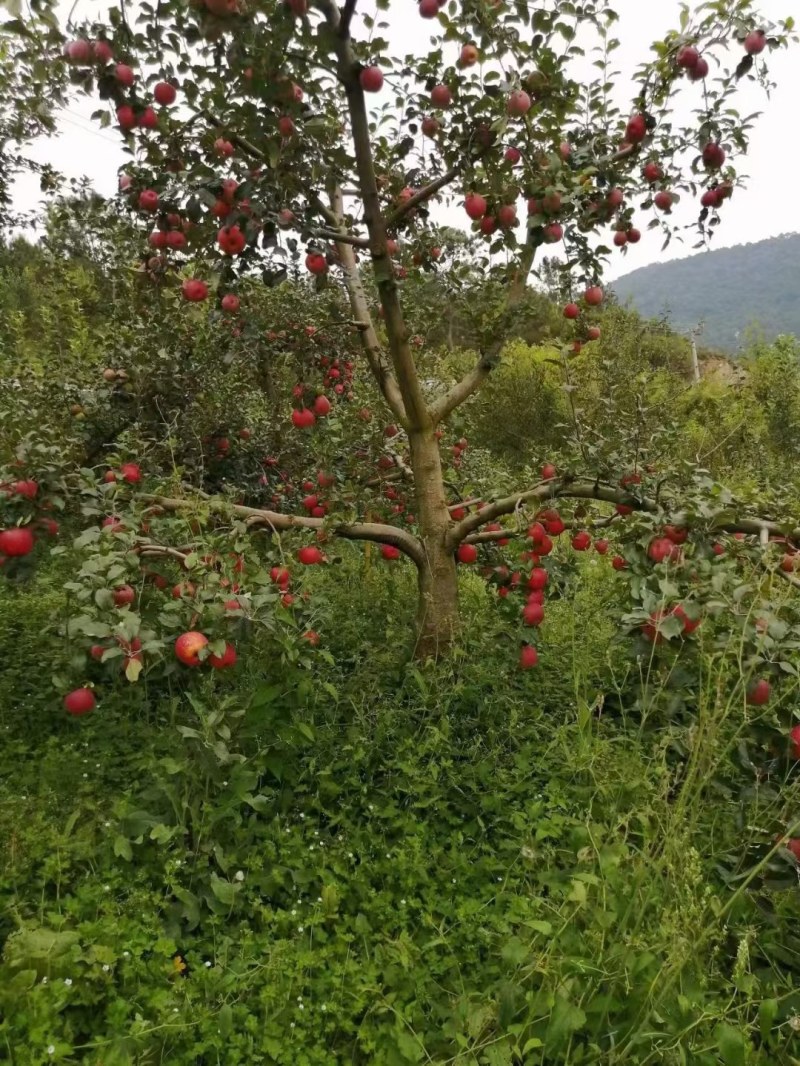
x=276, y=142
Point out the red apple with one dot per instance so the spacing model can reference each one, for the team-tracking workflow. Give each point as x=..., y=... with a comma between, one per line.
x=124, y=596
x=467, y=553
x=188, y=647
x=16, y=542
x=310, y=556
x=755, y=42
x=441, y=96
x=759, y=693
x=475, y=206
x=227, y=659
x=582, y=541
x=528, y=657
x=80, y=701
x=371, y=79
x=164, y=93
x=389, y=551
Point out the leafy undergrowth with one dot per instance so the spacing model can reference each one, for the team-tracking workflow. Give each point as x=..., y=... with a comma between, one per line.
x=382, y=864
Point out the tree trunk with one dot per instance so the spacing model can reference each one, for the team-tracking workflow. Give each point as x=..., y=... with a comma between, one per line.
x=437, y=609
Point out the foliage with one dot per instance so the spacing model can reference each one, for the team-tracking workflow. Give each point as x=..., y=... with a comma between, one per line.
x=737, y=294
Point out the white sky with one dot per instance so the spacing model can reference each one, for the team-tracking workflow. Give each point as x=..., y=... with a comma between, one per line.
x=766, y=208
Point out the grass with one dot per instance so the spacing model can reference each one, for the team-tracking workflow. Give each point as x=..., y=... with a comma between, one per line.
x=385, y=864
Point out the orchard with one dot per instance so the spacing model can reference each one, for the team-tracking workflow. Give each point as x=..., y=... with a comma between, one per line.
x=277, y=383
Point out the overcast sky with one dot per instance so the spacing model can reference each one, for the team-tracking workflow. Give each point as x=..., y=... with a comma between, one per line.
x=767, y=207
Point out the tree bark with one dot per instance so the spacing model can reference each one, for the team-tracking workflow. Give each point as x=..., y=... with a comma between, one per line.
x=437, y=607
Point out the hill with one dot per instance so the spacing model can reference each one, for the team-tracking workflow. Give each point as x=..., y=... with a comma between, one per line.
x=735, y=292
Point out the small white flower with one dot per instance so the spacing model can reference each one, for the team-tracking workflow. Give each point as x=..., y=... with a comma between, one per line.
x=302, y=816
x=316, y=832
x=299, y=999
x=324, y=1006
x=67, y=981
x=106, y=824
x=239, y=875
x=224, y=782
x=174, y=1010
x=207, y=964
x=301, y=1007
x=44, y=980
x=299, y=929
x=350, y=855
x=51, y=1050
x=106, y=967
x=106, y=888
x=371, y=807
x=311, y=848
x=454, y=880
x=177, y=862
x=85, y=775
x=291, y=1025
x=293, y=913
x=402, y=903
x=319, y=899
x=126, y=954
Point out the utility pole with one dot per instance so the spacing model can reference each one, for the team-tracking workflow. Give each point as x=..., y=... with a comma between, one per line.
x=695, y=363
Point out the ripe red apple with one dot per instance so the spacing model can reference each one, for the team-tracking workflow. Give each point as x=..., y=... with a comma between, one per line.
x=310, y=555
x=303, y=418
x=571, y=311
x=699, y=70
x=194, y=290
x=371, y=79
x=28, y=489
x=593, y=333
x=620, y=238
x=687, y=57
x=634, y=236
x=467, y=553
x=553, y=233
x=102, y=52
x=532, y=614
x=148, y=200
x=183, y=588
x=131, y=472
x=759, y=693
x=230, y=303
x=188, y=647
x=79, y=51
x=389, y=551
x=488, y=225
x=224, y=661
x=551, y=203
x=322, y=406
x=755, y=42
x=430, y=124
x=176, y=239
x=615, y=198
x=280, y=576
x=312, y=637
x=663, y=200
x=428, y=9
x=636, y=130
x=96, y=652
x=112, y=524
x=601, y=546
x=475, y=206
x=286, y=126
x=713, y=155
x=661, y=548
x=794, y=737
x=441, y=96
x=124, y=75
x=223, y=148
x=689, y=624
x=652, y=172
x=507, y=216
x=619, y=563
x=582, y=541
x=512, y=155
x=148, y=119
x=593, y=296
x=126, y=117
x=79, y=701
x=528, y=657
x=538, y=578
x=124, y=596
x=165, y=94
x=518, y=103
x=16, y=542
x=316, y=263
x=469, y=55
x=231, y=240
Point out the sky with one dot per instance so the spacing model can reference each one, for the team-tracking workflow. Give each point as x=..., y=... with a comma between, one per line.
x=764, y=208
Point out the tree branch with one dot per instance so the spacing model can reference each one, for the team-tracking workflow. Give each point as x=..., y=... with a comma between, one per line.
x=346, y=18
x=341, y=237
x=416, y=410
x=423, y=194
x=567, y=489
x=373, y=531
x=465, y=388
x=373, y=351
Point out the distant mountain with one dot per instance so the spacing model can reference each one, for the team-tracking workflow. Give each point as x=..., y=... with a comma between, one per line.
x=751, y=289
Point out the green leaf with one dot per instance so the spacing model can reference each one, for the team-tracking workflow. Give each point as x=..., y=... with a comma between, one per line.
x=225, y=891
x=565, y=1019
x=731, y=1045
x=122, y=848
